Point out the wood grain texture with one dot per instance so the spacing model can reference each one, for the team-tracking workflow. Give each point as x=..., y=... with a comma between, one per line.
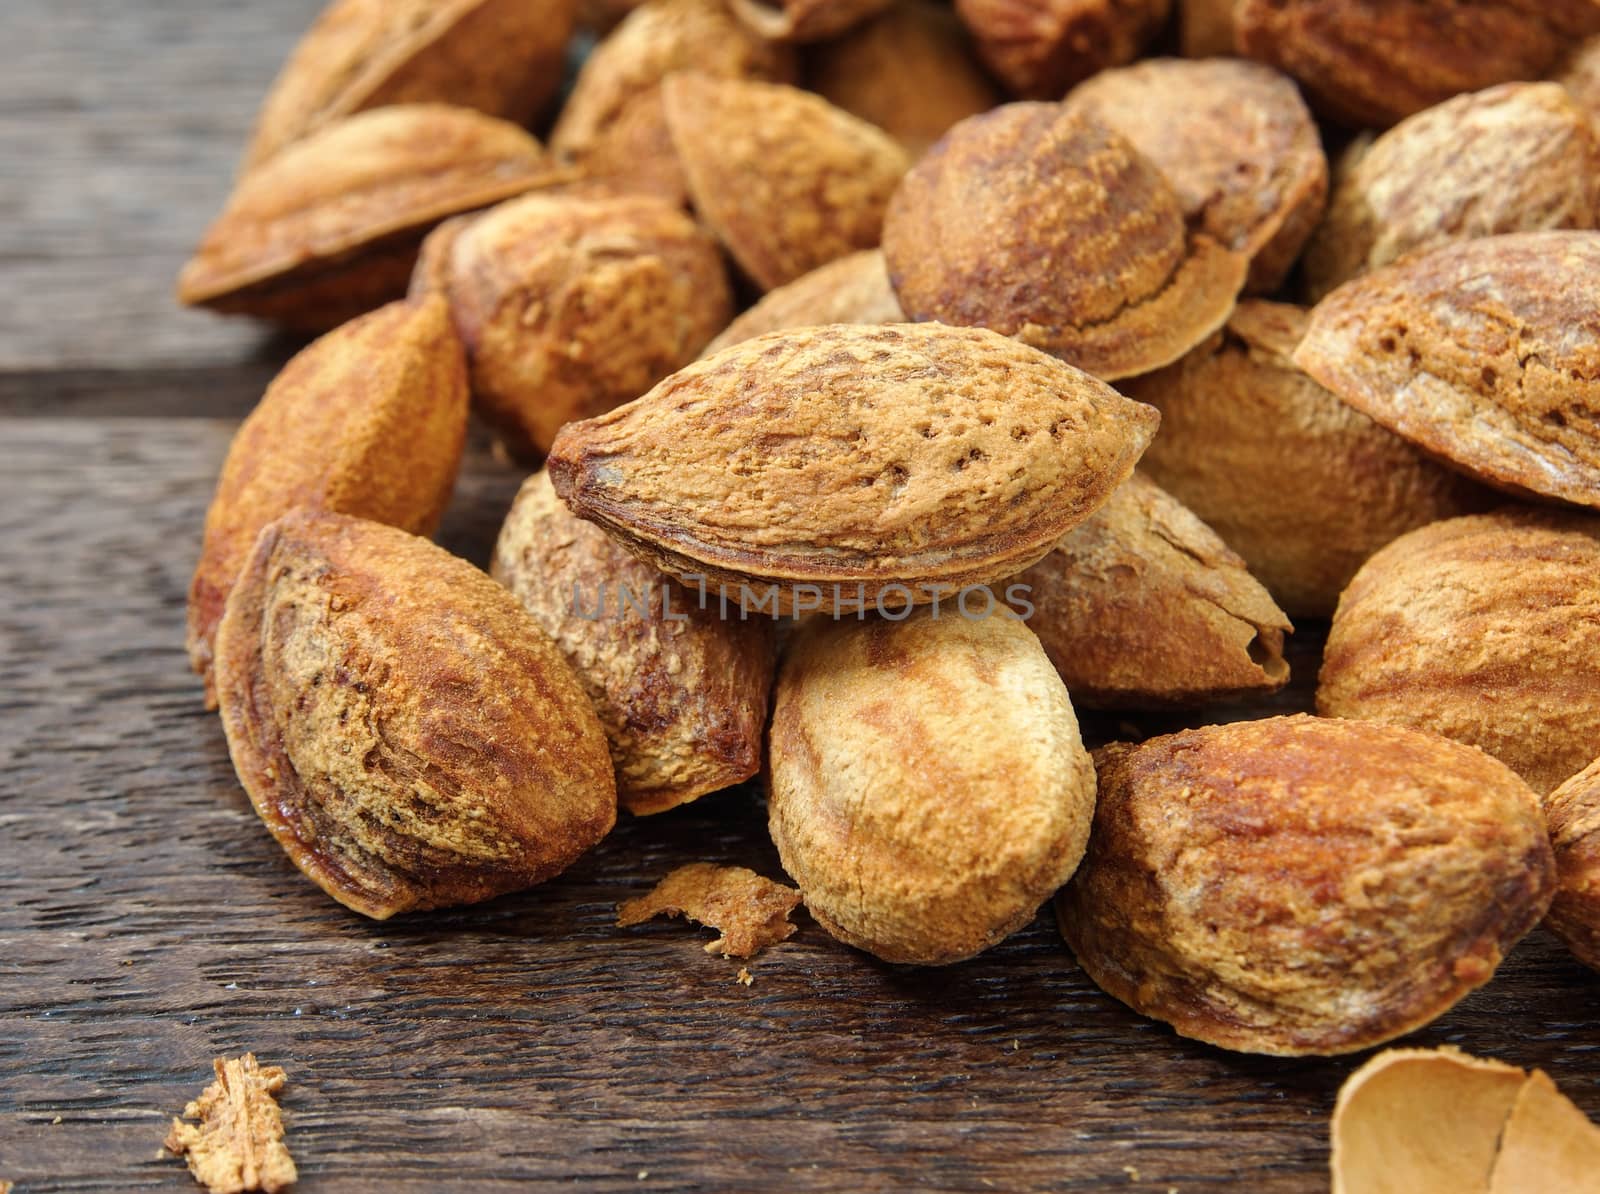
x=148, y=922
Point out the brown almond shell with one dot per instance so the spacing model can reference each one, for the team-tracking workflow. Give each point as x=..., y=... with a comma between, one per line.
x=908, y=71
x=852, y=289
x=571, y=304
x=1520, y=157
x=1301, y=485
x=1039, y=48
x=785, y=180
x=1485, y=629
x=804, y=20
x=614, y=124
x=1580, y=75
x=369, y=421
x=1371, y=63
x=1041, y=223
x=1483, y=353
x=1573, y=813
x=1235, y=142
x=908, y=836
x=1297, y=886
x=680, y=689
x=1143, y=606
x=879, y=459
x=1205, y=28
x=500, y=57
x=330, y=228
x=409, y=735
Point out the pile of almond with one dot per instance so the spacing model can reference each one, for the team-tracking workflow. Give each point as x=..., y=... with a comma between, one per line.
x=838, y=328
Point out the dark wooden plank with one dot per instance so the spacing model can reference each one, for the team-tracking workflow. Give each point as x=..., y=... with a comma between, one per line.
x=148, y=923
x=120, y=128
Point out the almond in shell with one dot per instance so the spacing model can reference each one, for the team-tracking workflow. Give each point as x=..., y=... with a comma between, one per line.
x=1483, y=353
x=1301, y=886
x=409, y=735
x=1143, y=606
x=1301, y=485
x=1039, y=48
x=787, y=181
x=680, y=688
x=1041, y=223
x=613, y=123
x=804, y=20
x=1519, y=157
x=571, y=304
x=500, y=57
x=853, y=289
x=368, y=421
x=906, y=837
x=1573, y=813
x=1235, y=142
x=1485, y=629
x=330, y=228
x=846, y=466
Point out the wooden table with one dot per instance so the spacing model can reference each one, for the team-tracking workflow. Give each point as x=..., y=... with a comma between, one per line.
x=148, y=923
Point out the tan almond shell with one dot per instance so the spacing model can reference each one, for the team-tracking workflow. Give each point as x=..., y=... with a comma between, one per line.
x=852, y=289
x=1519, y=157
x=1371, y=63
x=613, y=123
x=1299, y=886
x=1235, y=142
x=409, y=735
x=330, y=228
x=1043, y=224
x=804, y=20
x=787, y=181
x=909, y=72
x=1474, y=353
x=909, y=835
x=1580, y=75
x=1039, y=48
x=681, y=690
x=1143, y=606
x=369, y=421
x=1205, y=28
x=1424, y=1121
x=500, y=57
x=1573, y=814
x=1301, y=485
x=891, y=458
x=571, y=304
x=1485, y=629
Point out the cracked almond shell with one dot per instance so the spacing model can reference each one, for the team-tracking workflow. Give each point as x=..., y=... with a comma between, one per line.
x=409, y=735
x=1143, y=606
x=330, y=228
x=1235, y=142
x=571, y=304
x=1520, y=157
x=1301, y=886
x=614, y=124
x=1572, y=812
x=907, y=835
x=1485, y=629
x=1370, y=63
x=853, y=289
x=681, y=690
x=878, y=459
x=1039, y=48
x=368, y=421
x=1301, y=485
x=1483, y=353
x=785, y=180
x=1041, y=223
x=500, y=57
x=908, y=71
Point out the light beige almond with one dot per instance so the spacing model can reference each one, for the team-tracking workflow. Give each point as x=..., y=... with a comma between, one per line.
x=853, y=289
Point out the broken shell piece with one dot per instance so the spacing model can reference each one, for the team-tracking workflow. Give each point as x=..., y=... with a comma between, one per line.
x=1439, y=1121
x=238, y=1144
x=751, y=912
x=1039, y=222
